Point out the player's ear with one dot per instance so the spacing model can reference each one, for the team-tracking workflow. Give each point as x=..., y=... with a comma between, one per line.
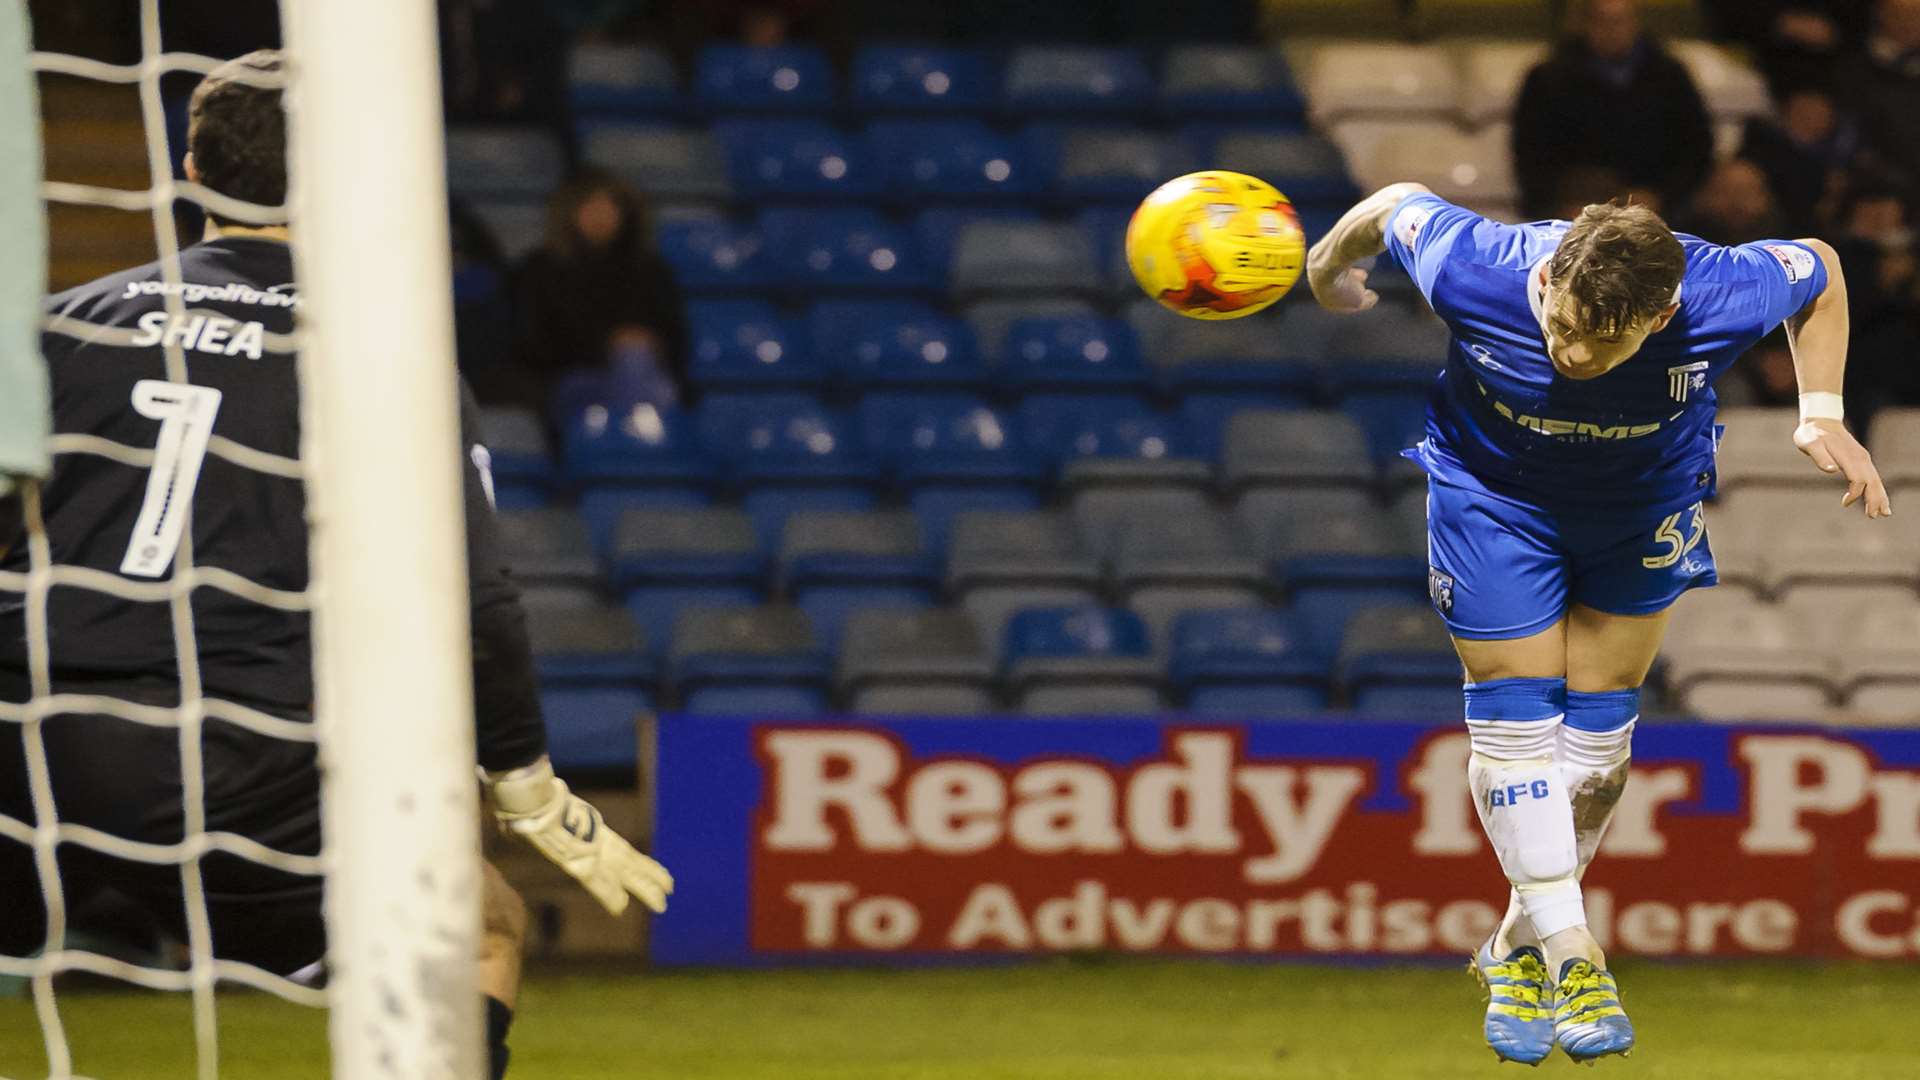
x=192, y=170
x=1661, y=320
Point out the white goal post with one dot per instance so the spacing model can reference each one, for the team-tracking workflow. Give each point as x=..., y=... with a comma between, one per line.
x=393, y=676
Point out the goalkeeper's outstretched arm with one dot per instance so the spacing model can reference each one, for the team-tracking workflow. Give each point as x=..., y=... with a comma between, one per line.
x=1361, y=233
x=528, y=799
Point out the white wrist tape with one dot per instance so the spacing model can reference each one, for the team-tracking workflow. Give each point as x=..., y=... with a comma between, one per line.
x=1821, y=405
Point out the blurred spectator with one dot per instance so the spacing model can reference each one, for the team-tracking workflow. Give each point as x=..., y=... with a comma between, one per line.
x=1794, y=41
x=1805, y=154
x=1884, y=86
x=1877, y=248
x=1609, y=97
x=597, y=298
x=1735, y=206
x=1764, y=376
x=482, y=322
x=504, y=61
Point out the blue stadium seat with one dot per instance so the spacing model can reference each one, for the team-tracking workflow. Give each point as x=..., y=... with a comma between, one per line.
x=1392, y=421
x=1399, y=659
x=594, y=729
x=1081, y=660
x=951, y=453
x=503, y=162
x=1323, y=613
x=712, y=546
x=1075, y=353
x=991, y=319
x=1204, y=416
x=945, y=439
x=796, y=159
x=1251, y=358
x=745, y=345
x=1308, y=168
x=923, y=79
x=940, y=505
x=1105, y=228
x=548, y=547
x=640, y=449
x=666, y=561
x=596, y=677
x=1396, y=348
x=715, y=257
x=789, y=453
x=894, y=343
x=1242, y=82
x=950, y=160
x=1110, y=165
x=1288, y=448
x=835, y=563
x=1062, y=427
x=1247, y=662
x=914, y=663
x=744, y=79
x=1320, y=540
x=522, y=466
x=749, y=661
x=938, y=230
x=1080, y=80
x=815, y=252
x=622, y=80
x=664, y=162
x=1003, y=258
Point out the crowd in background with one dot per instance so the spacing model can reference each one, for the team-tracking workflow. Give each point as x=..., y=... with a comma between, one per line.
x=1610, y=114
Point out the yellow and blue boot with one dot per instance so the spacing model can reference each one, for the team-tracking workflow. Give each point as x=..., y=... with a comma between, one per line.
x=1588, y=1021
x=1519, y=1023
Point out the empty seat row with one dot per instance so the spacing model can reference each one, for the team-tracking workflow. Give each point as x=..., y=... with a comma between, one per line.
x=1016, y=348
x=907, y=444
x=1072, y=659
x=1474, y=20
x=633, y=80
x=1161, y=552
x=1730, y=656
x=920, y=162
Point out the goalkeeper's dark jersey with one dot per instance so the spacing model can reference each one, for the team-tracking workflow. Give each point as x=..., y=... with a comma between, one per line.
x=132, y=449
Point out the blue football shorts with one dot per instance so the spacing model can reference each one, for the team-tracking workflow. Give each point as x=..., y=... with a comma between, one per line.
x=1499, y=569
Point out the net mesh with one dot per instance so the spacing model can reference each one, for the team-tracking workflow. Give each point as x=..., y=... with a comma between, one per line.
x=46, y=833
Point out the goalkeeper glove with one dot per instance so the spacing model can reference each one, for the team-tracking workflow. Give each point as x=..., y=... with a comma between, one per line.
x=536, y=804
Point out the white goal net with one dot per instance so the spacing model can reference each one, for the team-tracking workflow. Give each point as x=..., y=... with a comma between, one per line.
x=387, y=594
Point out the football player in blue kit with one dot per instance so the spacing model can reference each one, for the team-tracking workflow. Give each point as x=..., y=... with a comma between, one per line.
x=1569, y=443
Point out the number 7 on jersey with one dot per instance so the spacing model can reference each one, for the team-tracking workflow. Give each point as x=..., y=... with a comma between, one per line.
x=186, y=423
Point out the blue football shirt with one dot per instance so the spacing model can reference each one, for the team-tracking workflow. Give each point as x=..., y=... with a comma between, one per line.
x=1642, y=436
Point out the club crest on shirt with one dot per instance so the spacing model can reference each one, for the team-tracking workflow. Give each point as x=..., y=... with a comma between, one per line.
x=1440, y=590
x=1797, y=261
x=1685, y=380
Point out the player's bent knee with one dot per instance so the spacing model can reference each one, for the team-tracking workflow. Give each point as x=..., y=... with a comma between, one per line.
x=503, y=911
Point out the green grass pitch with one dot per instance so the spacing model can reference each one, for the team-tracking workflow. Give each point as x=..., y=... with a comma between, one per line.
x=1058, y=1020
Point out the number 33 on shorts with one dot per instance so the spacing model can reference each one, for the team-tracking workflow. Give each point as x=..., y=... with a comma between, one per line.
x=1672, y=544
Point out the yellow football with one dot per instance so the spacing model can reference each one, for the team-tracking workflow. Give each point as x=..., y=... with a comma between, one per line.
x=1216, y=245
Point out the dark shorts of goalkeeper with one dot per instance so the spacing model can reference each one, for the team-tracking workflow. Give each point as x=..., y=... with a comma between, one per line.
x=124, y=779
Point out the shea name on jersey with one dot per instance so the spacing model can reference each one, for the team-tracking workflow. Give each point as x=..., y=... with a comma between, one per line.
x=207, y=333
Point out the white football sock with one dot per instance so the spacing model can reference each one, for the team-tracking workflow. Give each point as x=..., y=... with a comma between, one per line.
x=1524, y=808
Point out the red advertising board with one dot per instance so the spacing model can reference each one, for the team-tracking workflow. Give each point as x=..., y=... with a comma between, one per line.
x=942, y=838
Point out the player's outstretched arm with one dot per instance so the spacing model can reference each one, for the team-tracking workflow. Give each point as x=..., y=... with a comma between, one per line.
x=1361, y=233
x=1818, y=336
x=537, y=806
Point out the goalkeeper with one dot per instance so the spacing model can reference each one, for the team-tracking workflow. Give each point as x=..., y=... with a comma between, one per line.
x=136, y=452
